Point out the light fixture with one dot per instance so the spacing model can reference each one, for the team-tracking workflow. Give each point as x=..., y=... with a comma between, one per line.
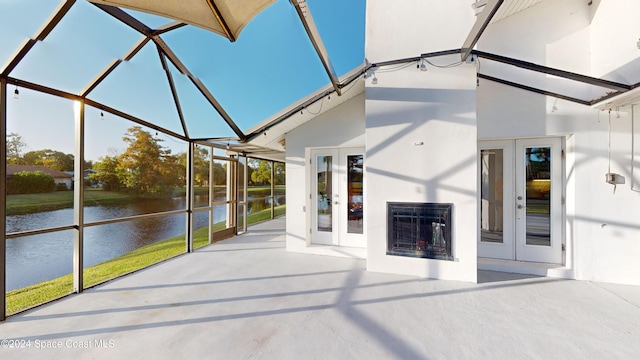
x=554, y=108
x=421, y=65
x=16, y=93
x=374, y=81
x=101, y=115
x=228, y=145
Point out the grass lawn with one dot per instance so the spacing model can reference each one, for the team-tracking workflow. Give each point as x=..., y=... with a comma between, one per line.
x=29, y=296
x=31, y=203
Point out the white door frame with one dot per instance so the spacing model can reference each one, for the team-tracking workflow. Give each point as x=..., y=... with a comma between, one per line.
x=337, y=201
x=514, y=245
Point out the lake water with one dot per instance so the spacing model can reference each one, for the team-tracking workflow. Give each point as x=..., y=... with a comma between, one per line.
x=43, y=257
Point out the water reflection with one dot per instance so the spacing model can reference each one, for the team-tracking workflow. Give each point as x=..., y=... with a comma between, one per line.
x=38, y=258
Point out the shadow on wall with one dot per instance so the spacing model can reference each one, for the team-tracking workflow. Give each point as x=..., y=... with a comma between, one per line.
x=453, y=103
x=435, y=183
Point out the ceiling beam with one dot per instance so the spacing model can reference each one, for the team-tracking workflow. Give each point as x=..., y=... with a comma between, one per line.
x=482, y=21
x=40, y=35
x=314, y=35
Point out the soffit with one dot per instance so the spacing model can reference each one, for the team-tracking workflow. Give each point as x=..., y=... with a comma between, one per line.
x=511, y=7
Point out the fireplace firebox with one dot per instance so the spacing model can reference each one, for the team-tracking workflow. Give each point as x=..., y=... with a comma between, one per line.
x=420, y=230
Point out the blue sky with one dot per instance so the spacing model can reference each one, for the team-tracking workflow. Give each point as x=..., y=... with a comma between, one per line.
x=270, y=66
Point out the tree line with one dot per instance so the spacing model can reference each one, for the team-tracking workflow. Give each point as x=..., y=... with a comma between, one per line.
x=145, y=168
x=52, y=159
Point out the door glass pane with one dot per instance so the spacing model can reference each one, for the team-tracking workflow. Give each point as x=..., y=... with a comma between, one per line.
x=492, y=210
x=538, y=205
x=355, y=193
x=324, y=192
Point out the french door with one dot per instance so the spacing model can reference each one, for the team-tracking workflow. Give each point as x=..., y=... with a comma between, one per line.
x=337, y=197
x=521, y=200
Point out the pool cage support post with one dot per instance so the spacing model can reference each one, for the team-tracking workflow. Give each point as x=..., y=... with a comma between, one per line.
x=78, y=198
x=190, y=197
x=3, y=199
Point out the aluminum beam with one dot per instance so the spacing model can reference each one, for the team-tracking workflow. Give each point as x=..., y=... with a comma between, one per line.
x=78, y=200
x=3, y=200
x=482, y=21
x=535, y=90
x=310, y=27
x=127, y=19
x=168, y=27
x=189, y=226
x=552, y=71
x=174, y=92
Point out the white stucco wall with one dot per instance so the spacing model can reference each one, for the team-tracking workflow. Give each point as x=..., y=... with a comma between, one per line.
x=602, y=233
x=437, y=108
x=342, y=126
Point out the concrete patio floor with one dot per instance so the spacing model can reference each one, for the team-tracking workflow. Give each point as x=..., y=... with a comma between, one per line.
x=247, y=298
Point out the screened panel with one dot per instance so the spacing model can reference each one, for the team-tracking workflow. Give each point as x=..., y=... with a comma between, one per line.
x=115, y=249
x=77, y=49
x=202, y=120
x=201, y=171
x=33, y=13
x=31, y=260
x=140, y=86
x=143, y=175
x=40, y=161
x=220, y=64
x=345, y=48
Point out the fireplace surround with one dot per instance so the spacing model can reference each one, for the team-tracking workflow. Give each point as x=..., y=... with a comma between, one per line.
x=421, y=230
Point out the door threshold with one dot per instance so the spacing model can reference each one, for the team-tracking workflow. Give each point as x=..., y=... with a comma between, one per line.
x=525, y=267
x=338, y=251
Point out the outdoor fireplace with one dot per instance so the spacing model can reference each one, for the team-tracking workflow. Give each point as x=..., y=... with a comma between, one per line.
x=419, y=230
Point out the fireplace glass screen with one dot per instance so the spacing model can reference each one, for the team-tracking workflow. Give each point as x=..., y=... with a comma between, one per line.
x=419, y=230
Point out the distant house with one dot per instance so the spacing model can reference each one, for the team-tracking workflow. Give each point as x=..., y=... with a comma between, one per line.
x=58, y=176
x=87, y=180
